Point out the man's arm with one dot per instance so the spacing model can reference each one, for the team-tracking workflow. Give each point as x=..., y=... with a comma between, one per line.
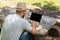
x=33, y=31
x=30, y=27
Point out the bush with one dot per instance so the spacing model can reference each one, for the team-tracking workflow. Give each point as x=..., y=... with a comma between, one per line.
x=50, y=5
x=37, y=4
x=47, y=5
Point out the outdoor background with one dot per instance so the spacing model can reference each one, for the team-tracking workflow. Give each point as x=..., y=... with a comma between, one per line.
x=49, y=8
x=13, y=2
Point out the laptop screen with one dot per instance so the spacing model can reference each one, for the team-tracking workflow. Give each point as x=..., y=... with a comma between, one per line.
x=36, y=17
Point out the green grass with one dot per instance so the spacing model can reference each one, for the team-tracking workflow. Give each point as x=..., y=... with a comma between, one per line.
x=57, y=2
x=2, y=4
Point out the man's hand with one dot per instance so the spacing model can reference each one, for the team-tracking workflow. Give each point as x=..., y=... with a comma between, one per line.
x=32, y=22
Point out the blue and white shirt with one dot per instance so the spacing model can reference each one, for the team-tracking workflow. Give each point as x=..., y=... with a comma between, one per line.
x=13, y=27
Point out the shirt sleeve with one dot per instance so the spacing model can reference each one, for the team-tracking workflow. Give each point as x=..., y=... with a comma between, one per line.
x=27, y=25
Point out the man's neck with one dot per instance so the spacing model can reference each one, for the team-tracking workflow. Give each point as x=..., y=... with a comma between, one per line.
x=20, y=14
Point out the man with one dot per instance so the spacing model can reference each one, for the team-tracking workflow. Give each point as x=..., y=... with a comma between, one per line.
x=14, y=24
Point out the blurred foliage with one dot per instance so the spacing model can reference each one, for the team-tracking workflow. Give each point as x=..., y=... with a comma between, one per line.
x=47, y=5
x=37, y=4
x=50, y=5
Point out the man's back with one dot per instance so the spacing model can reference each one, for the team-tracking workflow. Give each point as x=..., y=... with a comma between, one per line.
x=12, y=28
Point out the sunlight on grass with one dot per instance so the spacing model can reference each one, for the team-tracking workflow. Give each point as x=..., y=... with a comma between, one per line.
x=2, y=4
x=57, y=2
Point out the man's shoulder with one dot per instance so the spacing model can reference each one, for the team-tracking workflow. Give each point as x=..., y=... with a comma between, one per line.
x=25, y=21
x=10, y=15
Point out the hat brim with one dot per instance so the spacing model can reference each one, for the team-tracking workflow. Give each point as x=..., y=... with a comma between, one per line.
x=19, y=9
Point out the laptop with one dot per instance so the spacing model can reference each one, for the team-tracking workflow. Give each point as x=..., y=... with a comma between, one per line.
x=36, y=17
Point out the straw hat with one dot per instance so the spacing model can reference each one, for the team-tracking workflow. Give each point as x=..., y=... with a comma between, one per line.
x=21, y=6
